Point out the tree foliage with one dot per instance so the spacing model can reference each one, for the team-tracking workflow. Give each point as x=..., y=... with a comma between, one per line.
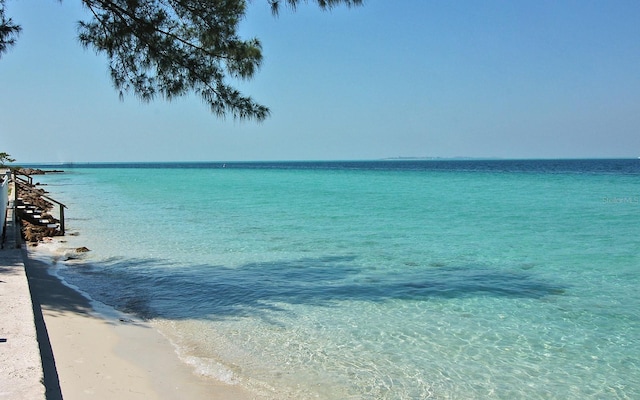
x=5, y=158
x=169, y=48
x=324, y=4
x=8, y=31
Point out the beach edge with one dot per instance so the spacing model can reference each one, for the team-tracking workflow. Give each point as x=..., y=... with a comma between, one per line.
x=105, y=356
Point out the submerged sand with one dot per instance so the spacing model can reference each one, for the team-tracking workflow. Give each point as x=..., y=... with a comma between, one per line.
x=90, y=355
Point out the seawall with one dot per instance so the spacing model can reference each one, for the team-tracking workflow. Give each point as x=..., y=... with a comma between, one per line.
x=21, y=370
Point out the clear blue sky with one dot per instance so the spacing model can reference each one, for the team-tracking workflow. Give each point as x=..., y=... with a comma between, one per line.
x=511, y=79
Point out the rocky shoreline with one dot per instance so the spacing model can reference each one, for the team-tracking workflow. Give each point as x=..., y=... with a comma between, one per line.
x=37, y=171
x=34, y=233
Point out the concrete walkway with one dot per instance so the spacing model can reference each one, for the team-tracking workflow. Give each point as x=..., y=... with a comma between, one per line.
x=21, y=371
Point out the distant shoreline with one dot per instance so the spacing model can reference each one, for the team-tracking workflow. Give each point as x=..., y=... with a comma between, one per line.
x=605, y=165
x=99, y=164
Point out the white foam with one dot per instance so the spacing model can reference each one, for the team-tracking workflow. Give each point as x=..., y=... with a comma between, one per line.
x=212, y=369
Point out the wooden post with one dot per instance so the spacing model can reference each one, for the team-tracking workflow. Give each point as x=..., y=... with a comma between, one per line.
x=15, y=187
x=62, y=219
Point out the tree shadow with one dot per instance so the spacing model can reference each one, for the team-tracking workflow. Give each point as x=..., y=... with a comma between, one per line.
x=9, y=265
x=48, y=291
x=151, y=288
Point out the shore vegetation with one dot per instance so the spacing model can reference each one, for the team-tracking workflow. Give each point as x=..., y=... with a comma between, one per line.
x=5, y=158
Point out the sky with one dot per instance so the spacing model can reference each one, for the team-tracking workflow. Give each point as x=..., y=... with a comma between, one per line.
x=402, y=78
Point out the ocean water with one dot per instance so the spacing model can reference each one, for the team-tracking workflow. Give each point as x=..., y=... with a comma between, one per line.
x=373, y=280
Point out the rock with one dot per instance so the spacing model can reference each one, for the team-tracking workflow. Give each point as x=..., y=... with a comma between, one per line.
x=30, y=171
x=82, y=249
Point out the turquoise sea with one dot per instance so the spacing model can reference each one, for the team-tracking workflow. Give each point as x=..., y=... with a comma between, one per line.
x=394, y=279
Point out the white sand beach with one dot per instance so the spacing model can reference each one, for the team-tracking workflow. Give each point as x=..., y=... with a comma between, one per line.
x=102, y=357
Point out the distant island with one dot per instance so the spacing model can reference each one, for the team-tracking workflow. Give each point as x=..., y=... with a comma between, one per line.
x=441, y=158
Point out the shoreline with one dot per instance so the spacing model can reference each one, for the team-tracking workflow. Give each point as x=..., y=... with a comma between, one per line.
x=103, y=356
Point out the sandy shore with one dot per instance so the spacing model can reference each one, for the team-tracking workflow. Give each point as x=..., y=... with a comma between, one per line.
x=100, y=357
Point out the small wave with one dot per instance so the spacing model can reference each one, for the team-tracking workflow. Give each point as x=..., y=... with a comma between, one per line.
x=211, y=369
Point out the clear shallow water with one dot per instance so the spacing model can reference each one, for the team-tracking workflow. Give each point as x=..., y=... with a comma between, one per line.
x=374, y=280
